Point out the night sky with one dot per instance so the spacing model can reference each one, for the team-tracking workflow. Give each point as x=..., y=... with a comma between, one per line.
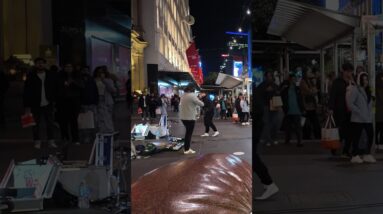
x=212, y=19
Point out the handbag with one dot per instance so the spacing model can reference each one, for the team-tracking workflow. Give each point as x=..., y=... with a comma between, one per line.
x=276, y=103
x=330, y=135
x=85, y=120
x=158, y=111
x=27, y=120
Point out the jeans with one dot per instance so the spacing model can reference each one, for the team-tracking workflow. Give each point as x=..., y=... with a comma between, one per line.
x=39, y=114
x=270, y=119
x=208, y=121
x=189, y=125
x=223, y=114
x=356, y=130
x=259, y=167
x=293, y=125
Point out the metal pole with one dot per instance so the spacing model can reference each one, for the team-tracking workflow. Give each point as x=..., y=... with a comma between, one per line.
x=371, y=62
x=322, y=72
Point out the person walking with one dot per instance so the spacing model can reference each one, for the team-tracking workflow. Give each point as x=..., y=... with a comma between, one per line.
x=359, y=101
x=379, y=110
x=269, y=89
x=208, y=116
x=176, y=103
x=229, y=105
x=337, y=107
x=153, y=104
x=143, y=103
x=4, y=85
x=245, y=111
x=70, y=89
x=259, y=168
x=106, y=89
x=223, y=105
x=310, y=102
x=293, y=109
x=188, y=114
x=238, y=108
x=40, y=91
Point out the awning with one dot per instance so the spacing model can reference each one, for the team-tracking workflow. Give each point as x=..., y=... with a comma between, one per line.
x=228, y=81
x=310, y=26
x=177, y=78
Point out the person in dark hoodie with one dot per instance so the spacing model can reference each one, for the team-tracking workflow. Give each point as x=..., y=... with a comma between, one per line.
x=70, y=91
x=338, y=107
x=40, y=95
x=208, y=108
x=259, y=168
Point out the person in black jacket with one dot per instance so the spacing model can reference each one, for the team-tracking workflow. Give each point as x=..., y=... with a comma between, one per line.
x=293, y=109
x=143, y=103
x=4, y=85
x=39, y=97
x=338, y=108
x=259, y=167
x=208, y=108
x=70, y=90
x=238, y=108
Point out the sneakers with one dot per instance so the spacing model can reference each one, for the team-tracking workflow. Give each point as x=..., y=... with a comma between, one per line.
x=356, y=159
x=243, y=124
x=248, y=123
x=52, y=144
x=37, y=144
x=216, y=134
x=189, y=152
x=369, y=159
x=271, y=190
x=205, y=135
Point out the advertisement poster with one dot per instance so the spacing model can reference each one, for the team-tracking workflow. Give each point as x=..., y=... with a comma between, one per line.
x=238, y=68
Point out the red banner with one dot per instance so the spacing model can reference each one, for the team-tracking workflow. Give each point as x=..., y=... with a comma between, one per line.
x=193, y=60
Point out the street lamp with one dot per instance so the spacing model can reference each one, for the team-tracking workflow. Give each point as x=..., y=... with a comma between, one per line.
x=248, y=12
x=239, y=29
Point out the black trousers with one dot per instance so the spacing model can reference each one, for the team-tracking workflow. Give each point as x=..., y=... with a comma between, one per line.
x=259, y=167
x=152, y=112
x=312, y=125
x=189, y=125
x=344, y=125
x=356, y=133
x=240, y=116
x=246, y=116
x=176, y=108
x=68, y=115
x=208, y=121
x=41, y=114
x=145, y=112
x=379, y=133
x=293, y=125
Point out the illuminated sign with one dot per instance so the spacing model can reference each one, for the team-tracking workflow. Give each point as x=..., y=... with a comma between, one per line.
x=238, y=68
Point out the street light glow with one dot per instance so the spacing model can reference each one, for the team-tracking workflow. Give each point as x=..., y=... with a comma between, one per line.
x=240, y=29
x=248, y=12
x=231, y=47
x=235, y=41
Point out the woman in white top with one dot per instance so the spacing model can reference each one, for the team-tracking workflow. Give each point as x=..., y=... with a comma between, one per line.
x=245, y=110
x=188, y=115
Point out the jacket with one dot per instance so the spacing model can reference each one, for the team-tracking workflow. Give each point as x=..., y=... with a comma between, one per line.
x=285, y=98
x=69, y=94
x=309, y=93
x=267, y=95
x=361, y=109
x=33, y=87
x=208, y=105
x=337, y=99
x=188, y=106
x=141, y=101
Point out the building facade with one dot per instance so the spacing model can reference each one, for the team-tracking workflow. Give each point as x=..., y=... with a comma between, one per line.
x=167, y=29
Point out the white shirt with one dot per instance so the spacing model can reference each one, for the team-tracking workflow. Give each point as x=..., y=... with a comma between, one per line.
x=44, y=101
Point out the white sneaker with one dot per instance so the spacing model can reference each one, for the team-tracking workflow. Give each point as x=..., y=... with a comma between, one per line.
x=37, y=144
x=189, y=152
x=205, y=135
x=243, y=124
x=52, y=144
x=216, y=134
x=356, y=159
x=369, y=159
x=271, y=190
x=248, y=123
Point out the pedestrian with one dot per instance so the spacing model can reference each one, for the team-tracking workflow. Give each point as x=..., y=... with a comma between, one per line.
x=176, y=103
x=153, y=104
x=208, y=109
x=39, y=98
x=238, y=107
x=4, y=86
x=143, y=103
x=359, y=101
x=245, y=110
x=310, y=102
x=188, y=114
x=379, y=110
x=338, y=108
x=293, y=109
x=70, y=90
x=217, y=105
x=229, y=105
x=259, y=167
x=106, y=89
x=268, y=89
x=223, y=105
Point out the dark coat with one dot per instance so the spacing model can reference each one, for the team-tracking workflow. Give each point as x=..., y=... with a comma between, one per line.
x=285, y=98
x=33, y=87
x=141, y=101
x=208, y=105
x=267, y=95
x=337, y=99
x=69, y=94
x=90, y=92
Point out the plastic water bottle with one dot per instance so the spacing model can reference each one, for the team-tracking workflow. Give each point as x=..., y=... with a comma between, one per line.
x=83, y=200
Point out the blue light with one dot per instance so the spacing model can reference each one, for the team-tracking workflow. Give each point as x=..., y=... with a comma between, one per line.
x=237, y=33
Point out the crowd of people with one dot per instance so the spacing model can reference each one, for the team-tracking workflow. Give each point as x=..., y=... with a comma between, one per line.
x=59, y=96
